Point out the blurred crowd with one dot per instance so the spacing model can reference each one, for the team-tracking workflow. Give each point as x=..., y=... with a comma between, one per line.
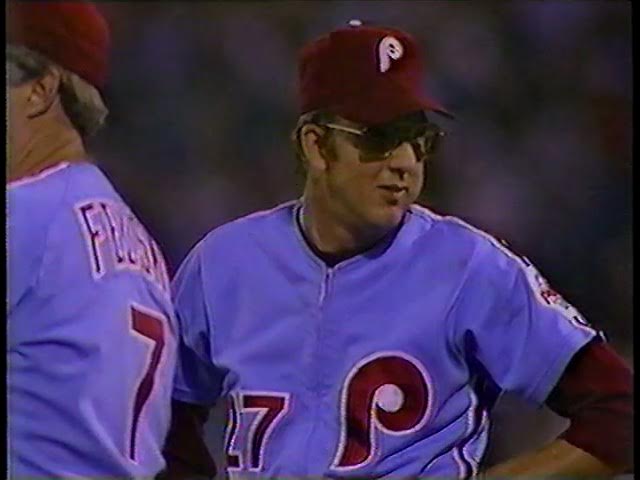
x=203, y=100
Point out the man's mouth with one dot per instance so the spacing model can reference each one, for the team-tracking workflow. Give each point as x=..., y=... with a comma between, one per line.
x=392, y=188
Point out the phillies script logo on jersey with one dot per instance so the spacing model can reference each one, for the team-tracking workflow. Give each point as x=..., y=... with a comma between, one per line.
x=550, y=297
x=548, y=294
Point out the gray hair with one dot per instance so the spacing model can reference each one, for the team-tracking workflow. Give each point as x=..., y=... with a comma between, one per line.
x=81, y=101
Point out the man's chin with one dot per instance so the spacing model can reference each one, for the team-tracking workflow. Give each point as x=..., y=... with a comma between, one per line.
x=389, y=216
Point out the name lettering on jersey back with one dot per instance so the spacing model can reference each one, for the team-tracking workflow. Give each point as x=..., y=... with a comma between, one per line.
x=117, y=241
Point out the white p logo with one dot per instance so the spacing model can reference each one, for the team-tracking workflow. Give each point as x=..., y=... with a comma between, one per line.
x=389, y=49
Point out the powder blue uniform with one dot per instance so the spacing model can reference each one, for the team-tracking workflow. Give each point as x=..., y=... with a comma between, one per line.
x=91, y=331
x=385, y=365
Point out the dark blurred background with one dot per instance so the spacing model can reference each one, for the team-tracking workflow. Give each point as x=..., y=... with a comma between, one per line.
x=202, y=102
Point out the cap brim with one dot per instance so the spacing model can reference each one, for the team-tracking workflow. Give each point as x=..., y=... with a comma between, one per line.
x=433, y=106
x=377, y=106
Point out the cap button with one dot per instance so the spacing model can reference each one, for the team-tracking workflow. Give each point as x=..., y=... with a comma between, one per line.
x=355, y=23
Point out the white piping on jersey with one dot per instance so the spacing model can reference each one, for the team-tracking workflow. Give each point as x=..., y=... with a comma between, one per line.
x=297, y=221
x=472, y=457
x=461, y=453
x=327, y=271
x=462, y=469
x=458, y=451
x=297, y=226
x=324, y=286
x=526, y=266
x=38, y=176
x=471, y=421
x=261, y=213
x=483, y=435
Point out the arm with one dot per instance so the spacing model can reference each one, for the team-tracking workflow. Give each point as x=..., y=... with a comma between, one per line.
x=595, y=393
x=185, y=451
x=529, y=340
x=559, y=458
x=198, y=381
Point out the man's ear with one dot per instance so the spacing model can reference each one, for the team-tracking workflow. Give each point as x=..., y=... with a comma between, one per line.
x=43, y=93
x=311, y=144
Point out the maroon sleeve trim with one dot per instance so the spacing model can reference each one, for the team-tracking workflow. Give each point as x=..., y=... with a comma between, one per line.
x=596, y=393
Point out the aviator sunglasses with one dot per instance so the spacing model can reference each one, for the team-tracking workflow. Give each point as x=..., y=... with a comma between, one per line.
x=379, y=141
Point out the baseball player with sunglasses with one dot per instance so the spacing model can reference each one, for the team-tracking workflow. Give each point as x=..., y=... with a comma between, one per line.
x=357, y=334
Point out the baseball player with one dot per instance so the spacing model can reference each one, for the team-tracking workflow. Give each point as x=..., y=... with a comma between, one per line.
x=356, y=334
x=91, y=327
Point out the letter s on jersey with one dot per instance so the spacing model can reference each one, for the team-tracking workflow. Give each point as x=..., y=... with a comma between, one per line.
x=388, y=392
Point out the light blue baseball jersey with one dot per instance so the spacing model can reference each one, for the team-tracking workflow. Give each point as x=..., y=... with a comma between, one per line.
x=382, y=366
x=91, y=331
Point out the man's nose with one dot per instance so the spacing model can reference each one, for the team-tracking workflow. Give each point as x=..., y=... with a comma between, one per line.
x=402, y=159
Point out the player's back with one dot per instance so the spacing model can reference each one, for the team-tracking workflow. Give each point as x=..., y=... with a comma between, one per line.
x=91, y=345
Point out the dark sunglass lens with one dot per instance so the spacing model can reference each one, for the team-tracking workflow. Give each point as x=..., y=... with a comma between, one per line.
x=431, y=141
x=380, y=140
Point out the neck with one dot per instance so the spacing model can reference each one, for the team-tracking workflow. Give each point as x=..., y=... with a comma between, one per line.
x=336, y=238
x=47, y=148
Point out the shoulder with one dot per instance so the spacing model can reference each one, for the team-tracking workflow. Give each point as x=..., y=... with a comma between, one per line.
x=86, y=181
x=51, y=188
x=227, y=246
x=33, y=204
x=38, y=202
x=33, y=201
x=41, y=188
x=486, y=254
x=243, y=232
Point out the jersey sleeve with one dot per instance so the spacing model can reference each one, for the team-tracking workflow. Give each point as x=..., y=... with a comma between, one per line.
x=523, y=332
x=197, y=379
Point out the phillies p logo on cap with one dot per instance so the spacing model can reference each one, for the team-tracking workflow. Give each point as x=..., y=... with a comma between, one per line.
x=364, y=73
x=389, y=49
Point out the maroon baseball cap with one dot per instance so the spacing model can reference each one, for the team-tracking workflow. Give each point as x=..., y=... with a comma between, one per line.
x=366, y=74
x=72, y=34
